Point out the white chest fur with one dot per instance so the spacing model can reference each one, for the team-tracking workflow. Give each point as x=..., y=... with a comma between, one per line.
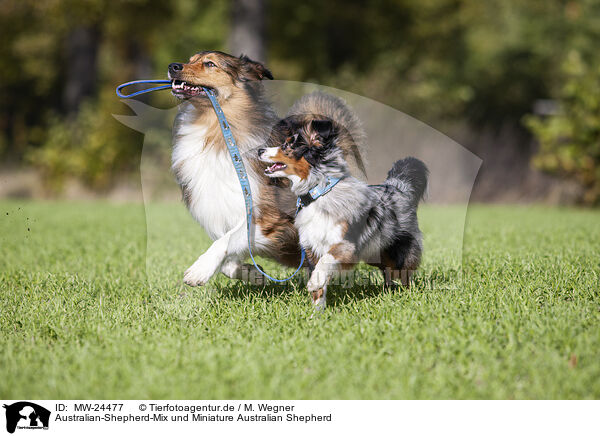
x=214, y=195
x=318, y=230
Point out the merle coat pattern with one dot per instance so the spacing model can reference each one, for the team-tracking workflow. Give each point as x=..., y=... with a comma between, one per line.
x=353, y=221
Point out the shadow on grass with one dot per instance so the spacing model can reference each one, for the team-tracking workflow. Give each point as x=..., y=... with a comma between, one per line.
x=367, y=285
x=370, y=287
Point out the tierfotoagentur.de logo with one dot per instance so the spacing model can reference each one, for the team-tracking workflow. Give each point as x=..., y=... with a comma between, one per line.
x=26, y=415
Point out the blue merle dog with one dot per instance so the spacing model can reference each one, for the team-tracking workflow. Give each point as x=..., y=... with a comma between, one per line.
x=341, y=219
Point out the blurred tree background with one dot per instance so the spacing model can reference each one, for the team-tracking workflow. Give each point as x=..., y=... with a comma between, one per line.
x=501, y=77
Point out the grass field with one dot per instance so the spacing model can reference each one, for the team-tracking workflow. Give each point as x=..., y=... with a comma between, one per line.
x=79, y=319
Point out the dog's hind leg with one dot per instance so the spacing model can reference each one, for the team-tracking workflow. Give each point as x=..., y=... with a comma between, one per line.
x=389, y=275
x=407, y=253
x=209, y=263
x=234, y=268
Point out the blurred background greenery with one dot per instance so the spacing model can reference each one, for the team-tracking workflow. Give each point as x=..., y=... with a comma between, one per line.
x=518, y=83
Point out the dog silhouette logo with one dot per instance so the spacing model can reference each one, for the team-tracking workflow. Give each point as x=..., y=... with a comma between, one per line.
x=26, y=415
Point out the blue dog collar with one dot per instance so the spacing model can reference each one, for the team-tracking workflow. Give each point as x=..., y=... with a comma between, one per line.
x=316, y=192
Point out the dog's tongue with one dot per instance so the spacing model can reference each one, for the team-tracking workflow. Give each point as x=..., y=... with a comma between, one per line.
x=275, y=167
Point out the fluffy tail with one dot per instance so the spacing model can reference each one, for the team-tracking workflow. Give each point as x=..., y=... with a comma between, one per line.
x=409, y=175
x=354, y=139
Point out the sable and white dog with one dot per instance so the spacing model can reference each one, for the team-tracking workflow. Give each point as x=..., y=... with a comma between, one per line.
x=352, y=221
x=204, y=171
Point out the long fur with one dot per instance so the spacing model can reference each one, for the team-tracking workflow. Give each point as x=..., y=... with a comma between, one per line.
x=353, y=221
x=203, y=169
x=409, y=175
x=320, y=106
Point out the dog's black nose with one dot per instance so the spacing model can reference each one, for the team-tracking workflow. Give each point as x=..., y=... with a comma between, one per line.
x=260, y=151
x=175, y=67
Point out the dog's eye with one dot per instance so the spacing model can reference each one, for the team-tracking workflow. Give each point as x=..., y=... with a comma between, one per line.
x=291, y=140
x=209, y=64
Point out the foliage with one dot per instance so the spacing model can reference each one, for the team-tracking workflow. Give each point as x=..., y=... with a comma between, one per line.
x=90, y=147
x=137, y=38
x=483, y=62
x=570, y=140
x=467, y=62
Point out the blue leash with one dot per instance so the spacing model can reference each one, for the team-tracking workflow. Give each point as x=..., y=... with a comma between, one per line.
x=143, y=91
x=234, y=152
x=236, y=159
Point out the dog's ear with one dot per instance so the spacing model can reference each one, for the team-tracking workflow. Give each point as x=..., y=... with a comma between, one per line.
x=324, y=128
x=311, y=155
x=252, y=70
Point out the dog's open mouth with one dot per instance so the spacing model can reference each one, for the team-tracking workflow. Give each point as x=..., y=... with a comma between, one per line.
x=277, y=166
x=184, y=89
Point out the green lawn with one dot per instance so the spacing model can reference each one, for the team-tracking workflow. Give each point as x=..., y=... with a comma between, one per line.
x=79, y=319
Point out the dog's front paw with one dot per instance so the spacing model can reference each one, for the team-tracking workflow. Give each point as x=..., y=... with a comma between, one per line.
x=317, y=290
x=313, y=283
x=319, y=300
x=199, y=273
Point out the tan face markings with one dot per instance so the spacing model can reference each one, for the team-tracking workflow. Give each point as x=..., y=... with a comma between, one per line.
x=201, y=59
x=299, y=167
x=197, y=73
